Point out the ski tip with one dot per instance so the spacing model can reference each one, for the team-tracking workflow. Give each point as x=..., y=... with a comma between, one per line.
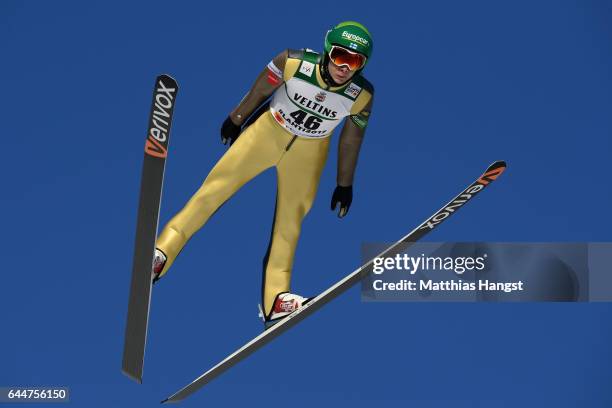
x=168, y=78
x=169, y=400
x=498, y=164
x=492, y=172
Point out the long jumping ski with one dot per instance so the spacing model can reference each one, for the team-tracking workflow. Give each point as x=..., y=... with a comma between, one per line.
x=156, y=151
x=341, y=286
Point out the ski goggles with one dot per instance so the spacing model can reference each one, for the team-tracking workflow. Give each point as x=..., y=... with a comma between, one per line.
x=341, y=56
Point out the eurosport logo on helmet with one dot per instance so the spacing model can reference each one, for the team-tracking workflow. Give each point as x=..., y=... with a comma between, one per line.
x=355, y=37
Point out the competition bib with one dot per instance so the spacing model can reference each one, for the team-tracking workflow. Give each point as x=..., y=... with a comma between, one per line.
x=305, y=109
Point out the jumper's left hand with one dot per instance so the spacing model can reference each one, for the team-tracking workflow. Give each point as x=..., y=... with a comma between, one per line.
x=344, y=196
x=229, y=131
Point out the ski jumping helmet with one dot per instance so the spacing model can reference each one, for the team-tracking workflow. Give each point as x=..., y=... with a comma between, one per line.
x=350, y=35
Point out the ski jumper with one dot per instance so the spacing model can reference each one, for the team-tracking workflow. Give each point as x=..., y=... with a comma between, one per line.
x=293, y=136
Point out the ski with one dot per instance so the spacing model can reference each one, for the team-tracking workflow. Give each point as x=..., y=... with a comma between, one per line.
x=156, y=151
x=341, y=286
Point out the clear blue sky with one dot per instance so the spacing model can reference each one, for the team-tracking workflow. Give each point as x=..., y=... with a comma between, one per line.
x=458, y=85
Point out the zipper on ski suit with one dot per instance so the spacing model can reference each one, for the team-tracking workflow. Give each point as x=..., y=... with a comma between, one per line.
x=290, y=143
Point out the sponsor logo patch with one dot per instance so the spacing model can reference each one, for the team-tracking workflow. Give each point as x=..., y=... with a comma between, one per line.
x=352, y=90
x=320, y=97
x=307, y=68
x=273, y=68
x=286, y=306
x=272, y=78
x=279, y=118
x=354, y=37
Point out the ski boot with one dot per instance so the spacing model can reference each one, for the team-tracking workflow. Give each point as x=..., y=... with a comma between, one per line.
x=284, y=304
x=159, y=260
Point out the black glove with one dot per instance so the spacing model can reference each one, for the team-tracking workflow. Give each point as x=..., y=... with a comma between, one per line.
x=229, y=131
x=344, y=196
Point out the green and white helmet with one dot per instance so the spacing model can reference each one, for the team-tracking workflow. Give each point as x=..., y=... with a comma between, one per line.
x=350, y=35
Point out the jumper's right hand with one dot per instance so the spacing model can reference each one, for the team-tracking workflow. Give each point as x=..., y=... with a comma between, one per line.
x=229, y=131
x=343, y=195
